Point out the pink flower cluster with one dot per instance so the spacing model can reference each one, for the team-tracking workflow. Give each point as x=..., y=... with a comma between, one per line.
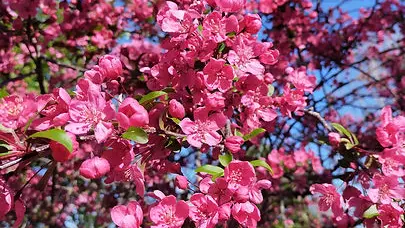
x=380, y=188
x=233, y=196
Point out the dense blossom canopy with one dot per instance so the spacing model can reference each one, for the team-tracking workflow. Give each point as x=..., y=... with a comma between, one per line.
x=201, y=113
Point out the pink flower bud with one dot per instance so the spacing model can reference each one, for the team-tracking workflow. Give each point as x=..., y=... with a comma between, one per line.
x=270, y=57
x=113, y=87
x=176, y=109
x=233, y=143
x=94, y=168
x=334, y=138
x=181, y=182
x=94, y=75
x=131, y=113
x=59, y=151
x=110, y=66
x=230, y=5
x=253, y=23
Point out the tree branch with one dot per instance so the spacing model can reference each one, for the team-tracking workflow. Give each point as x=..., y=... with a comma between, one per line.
x=319, y=118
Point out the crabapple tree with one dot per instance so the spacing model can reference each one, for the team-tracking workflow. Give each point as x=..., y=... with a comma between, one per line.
x=202, y=113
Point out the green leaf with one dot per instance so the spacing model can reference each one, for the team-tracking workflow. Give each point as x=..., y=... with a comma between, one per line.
x=353, y=139
x=231, y=34
x=136, y=134
x=356, y=141
x=238, y=133
x=253, y=134
x=59, y=15
x=342, y=130
x=225, y=159
x=261, y=163
x=215, y=171
x=175, y=120
x=200, y=28
x=3, y=93
x=57, y=135
x=221, y=47
x=271, y=90
x=371, y=212
x=349, y=146
x=151, y=96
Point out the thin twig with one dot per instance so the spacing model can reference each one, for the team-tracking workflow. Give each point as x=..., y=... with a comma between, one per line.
x=319, y=117
x=64, y=65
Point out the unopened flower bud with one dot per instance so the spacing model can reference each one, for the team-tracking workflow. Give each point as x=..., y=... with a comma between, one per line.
x=233, y=143
x=94, y=168
x=110, y=66
x=253, y=23
x=176, y=109
x=181, y=182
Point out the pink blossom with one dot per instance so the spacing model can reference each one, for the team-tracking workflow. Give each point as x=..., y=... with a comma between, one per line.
x=19, y=209
x=255, y=193
x=241, y=194
x=291, y=101
x=55, y=113
x=169, y=17
x=218, y=75
x=169, y=213
x=22, y=7
x=15, y=111
x=95, y=167
x=173, y=20
x=230, y=5
x=216, y=27
x=247, y=214
x=6, y=199
x=329, y=199
x=131, y=113
x=176, y=109
x=218, y=190
x=233, y=143
x=215, y=101
x=243, y=56
x=129, y=173
x=301, y=80
x=239, y=173
x=388, y=133
x=390, y=215
x=204, y=128
x=91, y=113
x=129, y=216
x=102, y=39
x=392, y=163
x=356, y=200
x=274, y=159
x=204, y=210
x=386, y=188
